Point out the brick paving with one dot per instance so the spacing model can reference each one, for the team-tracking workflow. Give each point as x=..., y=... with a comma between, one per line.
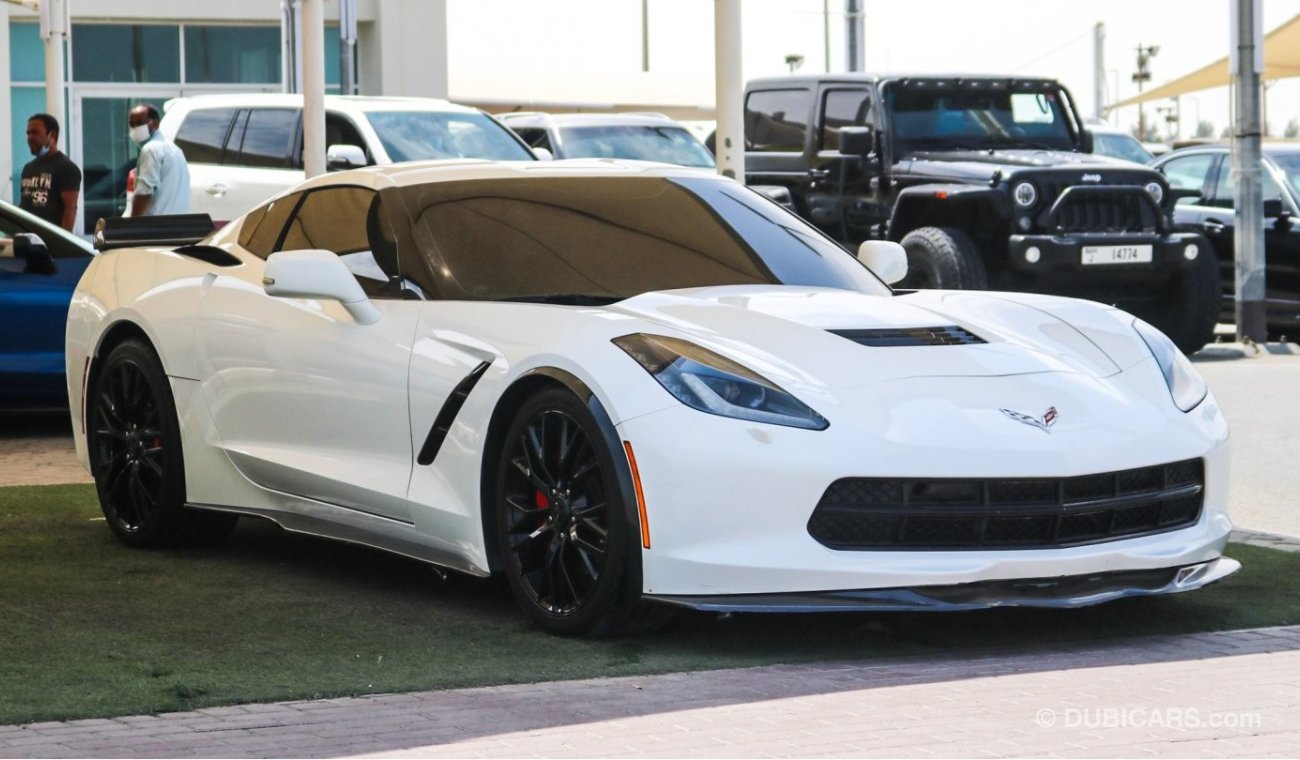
x=1234, y=694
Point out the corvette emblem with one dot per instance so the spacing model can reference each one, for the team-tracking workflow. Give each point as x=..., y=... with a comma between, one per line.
x=1043, y=423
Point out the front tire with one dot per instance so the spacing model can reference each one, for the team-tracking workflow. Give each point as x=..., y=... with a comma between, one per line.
x=944, y=258
x=567, y=536
x=134, y=443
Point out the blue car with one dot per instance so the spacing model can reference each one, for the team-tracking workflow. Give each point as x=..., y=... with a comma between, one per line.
x=34, y=311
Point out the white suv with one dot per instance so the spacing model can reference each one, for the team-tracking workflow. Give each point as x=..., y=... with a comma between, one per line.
x=643, y=136
x=242, y=149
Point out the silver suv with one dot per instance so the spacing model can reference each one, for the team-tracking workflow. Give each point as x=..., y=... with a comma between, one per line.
x=643, y=136
x=242, y=149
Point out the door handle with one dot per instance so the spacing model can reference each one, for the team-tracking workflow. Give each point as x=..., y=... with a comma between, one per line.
x=817, y=175
x=1214, y=226
x=218, y=189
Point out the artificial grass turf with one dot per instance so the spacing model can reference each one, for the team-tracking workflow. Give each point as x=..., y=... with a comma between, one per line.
x=91, y=628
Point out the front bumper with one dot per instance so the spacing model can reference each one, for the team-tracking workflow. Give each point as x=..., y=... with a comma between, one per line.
x=1064, y=252
x=1066, y=592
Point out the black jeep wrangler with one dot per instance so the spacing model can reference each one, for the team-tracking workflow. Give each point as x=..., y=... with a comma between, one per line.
x=988, y=182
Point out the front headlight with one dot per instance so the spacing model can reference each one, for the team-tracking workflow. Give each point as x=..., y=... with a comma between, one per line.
x=1025, y=194
x=1156, y=192
x=704, y=380
x=1186, y=385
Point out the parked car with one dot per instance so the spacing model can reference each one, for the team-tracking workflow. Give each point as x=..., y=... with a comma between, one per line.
x=1205, y=172
x=630, y=387
x=644, y=136
x=1118, y=143
x=242, y=149
x=34, y=308
x=989, y=183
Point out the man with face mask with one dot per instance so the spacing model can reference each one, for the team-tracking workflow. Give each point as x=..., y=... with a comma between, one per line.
x=162, y=177
x=50, y=182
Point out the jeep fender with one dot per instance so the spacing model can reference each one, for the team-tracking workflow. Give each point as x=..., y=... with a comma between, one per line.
x=973, y=208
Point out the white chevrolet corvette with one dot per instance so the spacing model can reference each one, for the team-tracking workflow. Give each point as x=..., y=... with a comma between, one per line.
x=629, y=388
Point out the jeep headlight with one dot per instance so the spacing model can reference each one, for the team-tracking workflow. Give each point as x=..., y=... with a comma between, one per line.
x=709, y=382
x=1186, y=385
x=1156, y=192
x=1025, y=194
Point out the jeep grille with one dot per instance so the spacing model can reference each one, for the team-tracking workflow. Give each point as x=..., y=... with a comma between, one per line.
x=1106, y=208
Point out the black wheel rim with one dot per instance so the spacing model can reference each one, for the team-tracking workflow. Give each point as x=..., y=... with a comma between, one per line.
x=128, y=445
x=556, y=512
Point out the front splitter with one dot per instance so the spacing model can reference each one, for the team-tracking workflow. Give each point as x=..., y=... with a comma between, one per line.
x=1065, y=591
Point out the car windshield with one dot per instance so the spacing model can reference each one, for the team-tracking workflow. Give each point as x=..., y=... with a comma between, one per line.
x=932, y=117
x=425, y=135
x=595, y=240
x=1120, y=146
x=1289, y=163
x=668, y=144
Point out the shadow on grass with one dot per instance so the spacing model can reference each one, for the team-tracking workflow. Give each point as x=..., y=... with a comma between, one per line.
x=94, y=629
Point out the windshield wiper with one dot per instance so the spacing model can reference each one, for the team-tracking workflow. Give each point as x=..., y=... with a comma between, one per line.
x=567, y=299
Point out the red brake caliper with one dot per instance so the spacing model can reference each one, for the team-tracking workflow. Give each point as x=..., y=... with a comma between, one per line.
x=542, y=503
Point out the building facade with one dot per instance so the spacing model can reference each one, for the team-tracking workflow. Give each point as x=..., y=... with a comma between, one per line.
x=124, y=52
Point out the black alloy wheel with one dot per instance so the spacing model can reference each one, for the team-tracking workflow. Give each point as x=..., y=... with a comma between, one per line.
x=565, y=531
x=135, y=454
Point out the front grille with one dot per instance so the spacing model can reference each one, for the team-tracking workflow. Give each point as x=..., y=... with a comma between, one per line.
x=1007, y=513
x=893, y=337
x=1099, y=209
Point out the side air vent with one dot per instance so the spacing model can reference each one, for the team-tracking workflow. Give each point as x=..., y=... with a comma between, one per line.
x=447, y=415
x=950, y=335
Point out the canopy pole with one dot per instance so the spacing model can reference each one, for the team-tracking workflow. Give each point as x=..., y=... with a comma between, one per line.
x=729, y=142
x=54, y=31
x=313, y=87
x=1247, y=65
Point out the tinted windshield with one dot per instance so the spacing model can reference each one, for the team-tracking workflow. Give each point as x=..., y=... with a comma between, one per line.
x=583, y=240
x=947, y=118
x=1120, y=146
x=671, y=145
x=425, y=135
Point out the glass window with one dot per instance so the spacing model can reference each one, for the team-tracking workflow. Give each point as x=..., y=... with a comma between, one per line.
x=1188, y=173
x=843, y=108
x=261, y=228
x=1120, y=146
x=668, y=144
x=536, y=137
x=602, y=239
x=202, y=135
x=777, y=120
x=268, y=139
x=423, y=135
x=332, y=219
x=1289, y=163
x=26, y=53
x=1225, y=186
x=233, y=54
x=125, y=53
x=929, y=115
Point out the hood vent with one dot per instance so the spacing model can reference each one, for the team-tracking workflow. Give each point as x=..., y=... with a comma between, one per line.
x=893, y=337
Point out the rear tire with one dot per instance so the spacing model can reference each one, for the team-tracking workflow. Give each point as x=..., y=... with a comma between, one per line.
x=568, y=539
x=1189, y=307
x=944, y=258
x=134, y=443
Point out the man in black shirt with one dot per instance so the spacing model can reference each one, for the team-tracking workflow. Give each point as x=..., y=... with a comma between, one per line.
x=50, y=182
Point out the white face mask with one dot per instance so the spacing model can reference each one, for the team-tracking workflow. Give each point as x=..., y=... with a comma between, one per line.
x=139, y=134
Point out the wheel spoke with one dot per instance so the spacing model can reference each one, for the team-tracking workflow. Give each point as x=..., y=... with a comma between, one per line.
x=150, y=459
x=582, y=549
x=574, y=597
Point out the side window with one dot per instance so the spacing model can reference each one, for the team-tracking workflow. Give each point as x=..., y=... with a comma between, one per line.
x=262, y=227
x=339, y=219
x=536, y=137
x=202, y=134
x=843, y=108
x=339, y=130
x=776, y=121
x=1189, y=173
x=268, y=139
x=1225, y=186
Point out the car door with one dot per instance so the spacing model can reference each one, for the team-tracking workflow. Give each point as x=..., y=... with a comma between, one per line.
x=844, y=191
x=256, y=164
x=305, y=399
x=777, y=140
x=1281, y=243
x=34, y=312
x=1195, y=173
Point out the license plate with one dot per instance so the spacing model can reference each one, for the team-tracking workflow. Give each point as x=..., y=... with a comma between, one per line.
x=1117, y=254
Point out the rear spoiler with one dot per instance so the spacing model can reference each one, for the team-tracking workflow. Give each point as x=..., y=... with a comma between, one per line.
x=167, y=231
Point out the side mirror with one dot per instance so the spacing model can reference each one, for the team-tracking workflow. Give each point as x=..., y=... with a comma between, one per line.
x=543, y=154
x=317, y=274
x=29, y=246
x=1086, y=142
x=779, y=194
x=857, y=141
x=884, y=257
x=1273, y=207
x=340, y=157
